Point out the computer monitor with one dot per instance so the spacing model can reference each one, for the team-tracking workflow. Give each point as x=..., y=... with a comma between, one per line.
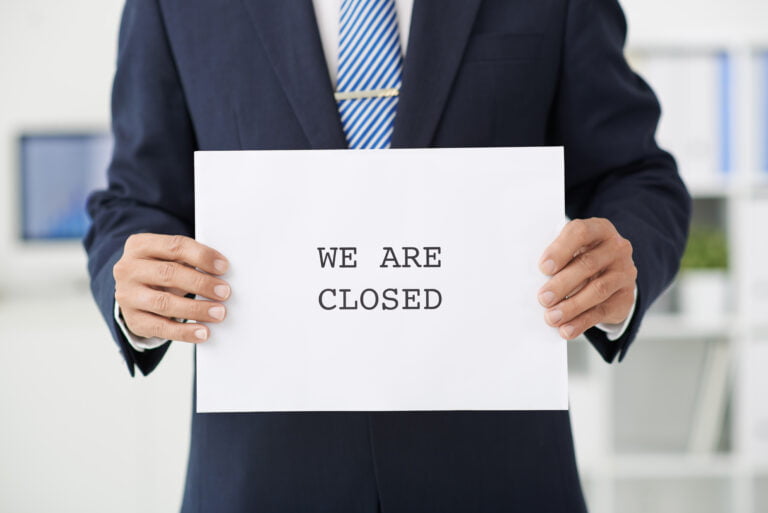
x=58, y=171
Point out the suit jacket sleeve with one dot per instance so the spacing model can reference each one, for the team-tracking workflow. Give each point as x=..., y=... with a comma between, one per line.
x=606, y=118
x=151, y=173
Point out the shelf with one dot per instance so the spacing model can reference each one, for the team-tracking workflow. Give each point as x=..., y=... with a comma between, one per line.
x=665, y=466
x=681, y=327
x=759, y=187
x=734, y=184
x=760, y=468
x=737, y=183
x=711, y=189
x=682, y=361
x=695, y=43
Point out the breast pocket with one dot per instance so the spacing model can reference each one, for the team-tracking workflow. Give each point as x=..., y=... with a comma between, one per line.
x=493, y=47
x=495, y=92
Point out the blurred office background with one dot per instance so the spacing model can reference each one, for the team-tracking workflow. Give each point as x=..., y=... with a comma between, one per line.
x=680, y=426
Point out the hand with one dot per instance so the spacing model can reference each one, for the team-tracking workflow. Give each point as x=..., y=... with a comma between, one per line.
x=152, y=278
x=592, y=277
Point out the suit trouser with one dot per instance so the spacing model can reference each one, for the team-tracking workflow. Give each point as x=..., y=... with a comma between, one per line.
x=390, y=462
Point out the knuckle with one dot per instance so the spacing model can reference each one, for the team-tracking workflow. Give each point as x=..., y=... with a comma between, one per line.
x=120, y=296
x=176, y=245
x=118, y=270
x=135, y=241
x=167, y=273
x=197, y=311
x=157, y=329
x=603, y=223
x=161, y=302
x=200, y=283
x=600, y=313
x=134, y=324
x=577, y=304
x=177, y=332
x=588, y=263
x=556, y=249
x=579, y=228
x=629, y=276
x=601, y=288
x=625, y=247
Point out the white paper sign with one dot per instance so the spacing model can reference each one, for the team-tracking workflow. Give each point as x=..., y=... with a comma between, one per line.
x=447, y=319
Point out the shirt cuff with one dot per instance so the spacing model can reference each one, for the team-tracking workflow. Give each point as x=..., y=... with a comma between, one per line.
x=616, y=331
x=140, y=344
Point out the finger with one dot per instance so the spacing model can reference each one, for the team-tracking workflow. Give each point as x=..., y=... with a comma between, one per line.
x=576, y=235
x=149, y=325
x=577, y=289
x=177, y=248
x=177, y=292
x=176, y=277
x=549, y=299
x=595, y=315
x=169, y=305
x=595, y=292
x=579, y=271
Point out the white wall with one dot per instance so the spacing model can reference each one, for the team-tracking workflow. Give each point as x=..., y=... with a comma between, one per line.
x=76, y=433
x=722, y=21
x=56, y=64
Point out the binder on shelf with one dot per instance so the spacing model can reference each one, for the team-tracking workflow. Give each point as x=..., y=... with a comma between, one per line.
x=725, y=119
x=755, y=251
x=695, y=92
x=711, y=400
x=755, y=385
x=762, y=91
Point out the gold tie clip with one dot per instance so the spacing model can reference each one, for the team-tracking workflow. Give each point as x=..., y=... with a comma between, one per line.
x=371, y=93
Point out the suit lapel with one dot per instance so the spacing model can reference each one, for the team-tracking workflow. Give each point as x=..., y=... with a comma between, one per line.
x=289, y=34
x=438, y=36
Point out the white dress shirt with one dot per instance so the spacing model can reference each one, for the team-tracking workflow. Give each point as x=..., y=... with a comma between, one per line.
x=327, y=14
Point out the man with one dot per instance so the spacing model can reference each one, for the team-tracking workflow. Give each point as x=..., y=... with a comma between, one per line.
x=254, y=74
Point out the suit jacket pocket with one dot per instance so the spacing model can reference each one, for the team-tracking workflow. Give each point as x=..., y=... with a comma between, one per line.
x=502, y=47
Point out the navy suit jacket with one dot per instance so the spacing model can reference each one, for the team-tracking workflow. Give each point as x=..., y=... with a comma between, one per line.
x=250, y=74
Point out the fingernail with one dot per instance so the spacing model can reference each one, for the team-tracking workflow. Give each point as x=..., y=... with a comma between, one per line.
x=221, y=265
x=217, y=312
x=548, y=267
x=222, y=291
x=546, y=298
x=554, y=316
x=567, y=331
x=201, y=334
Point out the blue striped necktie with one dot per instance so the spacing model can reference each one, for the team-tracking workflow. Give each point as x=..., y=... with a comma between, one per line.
x=370, y=69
